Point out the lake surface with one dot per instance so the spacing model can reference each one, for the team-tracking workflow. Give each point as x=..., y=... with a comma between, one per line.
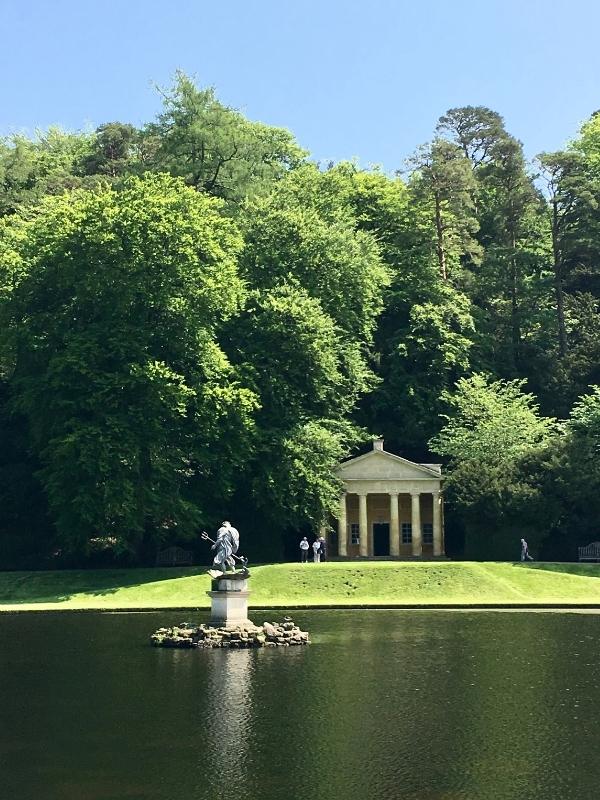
x=405, y=705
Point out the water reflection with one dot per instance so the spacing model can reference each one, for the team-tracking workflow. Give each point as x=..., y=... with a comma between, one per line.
x=385, y=705
x=226, y=725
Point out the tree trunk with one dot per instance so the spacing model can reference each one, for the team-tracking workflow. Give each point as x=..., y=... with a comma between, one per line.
x=146, y=546
x=439, y=226
x=558, y=283
x=515, y=322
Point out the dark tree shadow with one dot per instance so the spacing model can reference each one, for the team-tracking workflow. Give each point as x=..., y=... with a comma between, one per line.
x=56, y=586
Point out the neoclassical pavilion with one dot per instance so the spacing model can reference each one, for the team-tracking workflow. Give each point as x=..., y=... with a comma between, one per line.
x=390, y=507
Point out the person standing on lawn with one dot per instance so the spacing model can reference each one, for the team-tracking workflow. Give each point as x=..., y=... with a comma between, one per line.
x=323, y=550
x=304, y=547
x=316, y=550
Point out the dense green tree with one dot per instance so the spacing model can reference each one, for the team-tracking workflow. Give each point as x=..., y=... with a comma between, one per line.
x=588, y=144
x=112, y=316
x=443, y=181
x=215, y=148
x=291, y=239
x=290, y=353
x=165, y=353
x=582, y=445
x=424, y=331
x=568, y=481
x=302, y=342
x=510, y=284
x=114, y=151
x=475, y=129
x=566, y=361
x=567, y=190
x=27, y=535
x=509, y=287
x=33, y=168
x=428, y=352
x=492, y=430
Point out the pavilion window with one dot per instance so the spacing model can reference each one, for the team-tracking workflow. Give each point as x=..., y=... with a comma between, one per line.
x=354, y=533
x=427, y=533
x=406, y=532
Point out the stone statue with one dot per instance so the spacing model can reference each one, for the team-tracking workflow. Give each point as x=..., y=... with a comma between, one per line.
x=226, y=546
x=228, y=541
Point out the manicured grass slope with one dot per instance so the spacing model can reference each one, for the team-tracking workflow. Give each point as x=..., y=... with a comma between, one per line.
x=348, y=583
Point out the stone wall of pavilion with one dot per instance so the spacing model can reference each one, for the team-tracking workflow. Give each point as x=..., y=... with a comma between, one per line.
x=378, y=510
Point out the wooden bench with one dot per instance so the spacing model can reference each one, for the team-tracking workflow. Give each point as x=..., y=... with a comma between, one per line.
x=174, y=557
x=590, y=552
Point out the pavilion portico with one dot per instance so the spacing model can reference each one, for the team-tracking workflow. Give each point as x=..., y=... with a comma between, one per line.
x=390, y=507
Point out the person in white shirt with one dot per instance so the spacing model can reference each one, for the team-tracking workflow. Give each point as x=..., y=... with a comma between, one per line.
x=304, y=546
x=316, y=550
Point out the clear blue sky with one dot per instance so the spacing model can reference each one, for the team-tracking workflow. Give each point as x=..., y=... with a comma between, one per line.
x=349, y=78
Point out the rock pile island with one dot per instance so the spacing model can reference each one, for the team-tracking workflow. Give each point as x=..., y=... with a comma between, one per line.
x=269, y=634
x=229, y=624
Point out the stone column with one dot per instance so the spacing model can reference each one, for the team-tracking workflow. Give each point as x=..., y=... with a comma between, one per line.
x=362, y=522
x=438, y=542
x=417, y=547
x=342, y=528
x=394, y=525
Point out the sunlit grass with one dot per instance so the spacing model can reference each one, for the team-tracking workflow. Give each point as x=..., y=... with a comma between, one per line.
x=378, y=583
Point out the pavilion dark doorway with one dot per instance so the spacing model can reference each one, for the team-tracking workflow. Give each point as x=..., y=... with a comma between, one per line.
x=381, y=538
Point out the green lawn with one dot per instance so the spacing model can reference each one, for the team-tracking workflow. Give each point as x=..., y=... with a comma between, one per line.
x=381, y=583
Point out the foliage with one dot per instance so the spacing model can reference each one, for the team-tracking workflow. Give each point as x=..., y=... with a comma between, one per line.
x=578, y=463
x=475, y=129
x=443, y=181
x=114, y=151
x=115, y=363
x=302, y=340
x=192, y=316
x=424, y=332
x=588, y=143
x=424, y=356
x=491, y=428
x=215, y=148
x=292, y=236
x=33, y=168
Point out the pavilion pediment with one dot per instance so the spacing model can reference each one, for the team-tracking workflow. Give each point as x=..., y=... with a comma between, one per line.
x=380, y=465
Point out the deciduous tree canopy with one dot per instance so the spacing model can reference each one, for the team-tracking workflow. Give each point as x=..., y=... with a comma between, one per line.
x=194, y=316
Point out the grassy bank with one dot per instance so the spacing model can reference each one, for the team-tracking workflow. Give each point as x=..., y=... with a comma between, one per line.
x=336, y=584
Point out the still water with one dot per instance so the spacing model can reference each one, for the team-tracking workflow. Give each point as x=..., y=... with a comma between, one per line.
x=406, y=705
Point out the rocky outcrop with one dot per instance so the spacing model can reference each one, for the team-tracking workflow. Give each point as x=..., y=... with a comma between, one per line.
x=270, y=634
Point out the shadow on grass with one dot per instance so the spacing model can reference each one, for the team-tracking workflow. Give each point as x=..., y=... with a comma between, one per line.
x=567, y=568
x=59, y=586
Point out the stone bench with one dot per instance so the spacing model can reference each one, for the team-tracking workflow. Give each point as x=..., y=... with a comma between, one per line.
x=590, y=552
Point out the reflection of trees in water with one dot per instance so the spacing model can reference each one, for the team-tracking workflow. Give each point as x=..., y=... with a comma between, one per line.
x=228, y=720
x=384, y=688
x=432, y=704
x=389, y=704
x=508, y=672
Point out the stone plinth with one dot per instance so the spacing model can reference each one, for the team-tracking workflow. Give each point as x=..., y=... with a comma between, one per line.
x=229, y=602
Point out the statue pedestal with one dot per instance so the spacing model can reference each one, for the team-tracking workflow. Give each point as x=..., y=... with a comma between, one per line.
x=229, y=602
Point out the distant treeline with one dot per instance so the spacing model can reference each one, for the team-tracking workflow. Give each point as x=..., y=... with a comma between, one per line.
x=198, y=322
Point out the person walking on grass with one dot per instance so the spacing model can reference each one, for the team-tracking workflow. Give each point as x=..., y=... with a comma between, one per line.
x=304, y=546
x=316, y=550
x=525, y=551
x=323, y=549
